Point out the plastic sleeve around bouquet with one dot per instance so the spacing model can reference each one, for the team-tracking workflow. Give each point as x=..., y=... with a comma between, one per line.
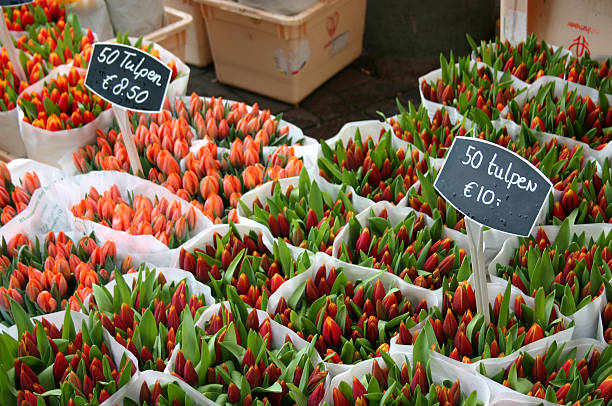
x=264, y=191
x=433, y=76
x=200, y=241
x=353, y=273
x=49, y=146
x=132, y=389
x=493, y=290
x=586, y=318
x=56, y=201
x=502, y=393
x=295, y=132
x=117, y=351
x=440, y=371
x=598, y=155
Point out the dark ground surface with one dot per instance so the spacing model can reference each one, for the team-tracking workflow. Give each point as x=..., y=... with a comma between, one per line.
x=355, y=93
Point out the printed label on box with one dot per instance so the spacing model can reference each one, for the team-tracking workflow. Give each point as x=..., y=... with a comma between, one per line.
x=291, y=62
x=338, y=44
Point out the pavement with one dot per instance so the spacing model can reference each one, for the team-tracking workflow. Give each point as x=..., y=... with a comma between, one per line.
x=358, y=92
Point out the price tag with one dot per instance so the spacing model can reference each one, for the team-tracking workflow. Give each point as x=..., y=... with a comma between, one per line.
x=14, y=3
x=493, y=186
x=128, y=77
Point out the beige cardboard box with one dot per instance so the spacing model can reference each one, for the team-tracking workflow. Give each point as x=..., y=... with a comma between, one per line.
x=578, y=25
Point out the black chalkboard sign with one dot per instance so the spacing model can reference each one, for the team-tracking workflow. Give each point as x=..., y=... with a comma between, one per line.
x=128, y=77
x=492, y=185
x=13, y=3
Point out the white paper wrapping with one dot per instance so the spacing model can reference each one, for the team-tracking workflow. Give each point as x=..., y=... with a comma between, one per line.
x=353, y=273
x=52, y=206
x=10, y=138
x=440, y=371
x=586, y=319
x=49, y=146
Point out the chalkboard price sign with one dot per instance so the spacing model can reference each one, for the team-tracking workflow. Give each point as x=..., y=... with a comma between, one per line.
x=14, y=3
x=492, y=185
x=128, y=77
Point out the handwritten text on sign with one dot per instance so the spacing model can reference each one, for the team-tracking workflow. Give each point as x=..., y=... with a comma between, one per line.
x=492, y=185
x=13, y=3
x=128, y=77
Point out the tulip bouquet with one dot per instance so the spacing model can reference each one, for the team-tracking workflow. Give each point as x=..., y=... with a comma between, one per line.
x=39, y=12
x=589, y=72
x=139, y=215
x=146, y=318
x=10, y=84
x=233, y=359
x=349, y=321
x=65, y=365
x=218, y=196
x=416, y=252
x=14, y=198
x=63, y=104
x=468, y=86
x=586, y=198
x=572, y=267
x=153, y=134
x=243, y=260
x=59, y=43
x=224, y=122
x=527, y=61
x=400, y=381
x=306, y=216
x=434, y=136
x=559, y=376
x=459, y=332
x=57, y=273
x=568, y=115
x=376, y=171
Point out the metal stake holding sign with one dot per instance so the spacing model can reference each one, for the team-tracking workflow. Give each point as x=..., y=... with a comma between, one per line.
x=129, y=79
x=7, y=39
x=493, y=187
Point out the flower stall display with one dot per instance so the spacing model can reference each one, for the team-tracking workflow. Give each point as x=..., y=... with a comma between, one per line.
x=350, y=314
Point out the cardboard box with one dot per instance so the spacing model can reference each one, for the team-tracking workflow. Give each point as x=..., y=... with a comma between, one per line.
x=578, y=25
x=283, y=57
x=173, y=35
x=197, y=49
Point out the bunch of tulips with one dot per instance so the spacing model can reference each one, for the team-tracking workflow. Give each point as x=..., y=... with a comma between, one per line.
x=39, y=12
x=14, y=198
